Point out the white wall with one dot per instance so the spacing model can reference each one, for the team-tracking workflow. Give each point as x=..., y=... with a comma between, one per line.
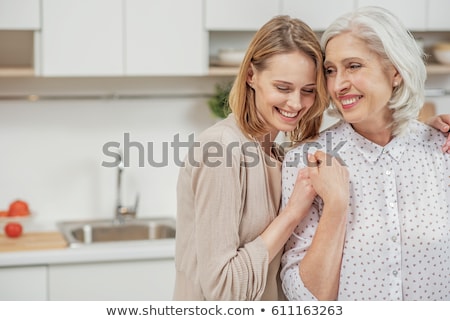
x=51, y=150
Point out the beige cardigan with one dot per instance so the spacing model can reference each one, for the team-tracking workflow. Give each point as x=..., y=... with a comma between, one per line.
x=221, y=211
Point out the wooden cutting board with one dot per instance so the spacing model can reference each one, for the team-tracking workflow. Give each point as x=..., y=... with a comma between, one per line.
x=32, y=241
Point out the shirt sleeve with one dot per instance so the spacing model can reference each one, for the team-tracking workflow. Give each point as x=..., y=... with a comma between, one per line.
x=295, y=250
x=228, y=268
x=300, y=240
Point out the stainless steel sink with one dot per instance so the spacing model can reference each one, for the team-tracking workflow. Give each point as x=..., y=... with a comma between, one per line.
x=87, y=232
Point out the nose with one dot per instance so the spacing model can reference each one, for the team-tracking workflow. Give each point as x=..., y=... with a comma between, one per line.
x=341, y=82
x=295, y=101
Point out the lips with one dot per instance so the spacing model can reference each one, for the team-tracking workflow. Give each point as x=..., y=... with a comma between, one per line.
x=287, y=114
x=348, y=102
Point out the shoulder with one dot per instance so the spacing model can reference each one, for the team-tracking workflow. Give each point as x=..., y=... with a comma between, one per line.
x=222, y=145
x=423, y=134
x=223, y=132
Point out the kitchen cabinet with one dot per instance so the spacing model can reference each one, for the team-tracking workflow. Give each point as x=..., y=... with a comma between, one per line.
x=437, y=15
x=82, y=38
x=123, y=38
x=318, y=15
x=139, y=280
x=24, y=283
x=20, y=15
x=19, y=19
x=237, y=15
x=161, y=39
x=413, y=15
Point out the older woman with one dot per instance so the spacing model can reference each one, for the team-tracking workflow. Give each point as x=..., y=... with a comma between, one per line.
x=393, y=241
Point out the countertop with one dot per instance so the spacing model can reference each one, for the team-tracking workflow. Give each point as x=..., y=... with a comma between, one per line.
x=120, y=251
x=132, y=250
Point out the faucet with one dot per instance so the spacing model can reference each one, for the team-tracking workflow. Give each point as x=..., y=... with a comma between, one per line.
x=123, y=212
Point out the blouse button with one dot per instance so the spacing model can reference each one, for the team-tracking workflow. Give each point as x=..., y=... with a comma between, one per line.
x=388, y=172
x=394, y=238
x=391, y=204
x=394, y=273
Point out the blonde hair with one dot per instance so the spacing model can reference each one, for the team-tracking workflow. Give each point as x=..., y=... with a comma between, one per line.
x=281, y=34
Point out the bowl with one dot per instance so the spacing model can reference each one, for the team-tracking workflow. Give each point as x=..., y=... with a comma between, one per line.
x=230, y=57
x=441, y=52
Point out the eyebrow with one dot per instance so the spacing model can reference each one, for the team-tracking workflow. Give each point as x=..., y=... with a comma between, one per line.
x=289, y=83
x=345, y=60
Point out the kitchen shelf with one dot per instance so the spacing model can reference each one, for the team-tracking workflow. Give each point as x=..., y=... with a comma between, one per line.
x=223, y=71
x=27, y=71
x=17, y=72
x=437, y=69
x=432, y=69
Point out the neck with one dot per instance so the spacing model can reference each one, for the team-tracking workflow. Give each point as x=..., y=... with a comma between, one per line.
x=266, y=141
x=380, y=137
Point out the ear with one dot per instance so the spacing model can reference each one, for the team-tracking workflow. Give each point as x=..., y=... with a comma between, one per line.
x=397, y=79
x=250, y=75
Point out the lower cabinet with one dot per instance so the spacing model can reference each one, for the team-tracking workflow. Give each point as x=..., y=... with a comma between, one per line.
x=23, y=283
x=104, y=281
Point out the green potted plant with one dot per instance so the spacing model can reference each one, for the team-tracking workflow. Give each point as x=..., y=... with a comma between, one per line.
x=218, y=103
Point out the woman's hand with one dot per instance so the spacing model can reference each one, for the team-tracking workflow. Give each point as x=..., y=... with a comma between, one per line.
x=329, y=178
x=303, y=193
x=442, y=123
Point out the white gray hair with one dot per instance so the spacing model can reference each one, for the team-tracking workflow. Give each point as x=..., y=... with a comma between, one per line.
x=389, y=39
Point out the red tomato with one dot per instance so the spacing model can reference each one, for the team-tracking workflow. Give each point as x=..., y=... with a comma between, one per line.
x=18, y=208
x=13, y=229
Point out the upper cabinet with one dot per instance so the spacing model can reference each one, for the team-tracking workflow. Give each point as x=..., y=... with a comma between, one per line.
x=438, y=15
x=412, y=14
x=20, y=15
x=238, y=15
x=165, y=38
x=319, y=14
x=82, y=38
x=123, y=38
x=117, y=38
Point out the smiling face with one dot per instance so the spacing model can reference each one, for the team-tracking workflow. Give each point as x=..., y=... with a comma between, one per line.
x=359, y=83
x=284, y=90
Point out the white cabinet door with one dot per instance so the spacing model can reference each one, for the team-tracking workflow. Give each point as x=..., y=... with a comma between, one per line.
x=411, y=13
x=82, y=38
x=20, y=15
x=438, y=15
x=107, y=281
x=165, y=38
x=28, y=283
x=240, y=15
x=318, y=14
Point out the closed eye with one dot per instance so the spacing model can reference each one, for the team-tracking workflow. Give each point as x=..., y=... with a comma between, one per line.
x=282, y=88
x=309, y=90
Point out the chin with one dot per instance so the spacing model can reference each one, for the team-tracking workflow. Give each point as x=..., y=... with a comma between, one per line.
x=349, y=118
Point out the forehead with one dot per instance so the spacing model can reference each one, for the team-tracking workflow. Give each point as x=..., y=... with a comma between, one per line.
x=293, y=67
x=346, y=45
